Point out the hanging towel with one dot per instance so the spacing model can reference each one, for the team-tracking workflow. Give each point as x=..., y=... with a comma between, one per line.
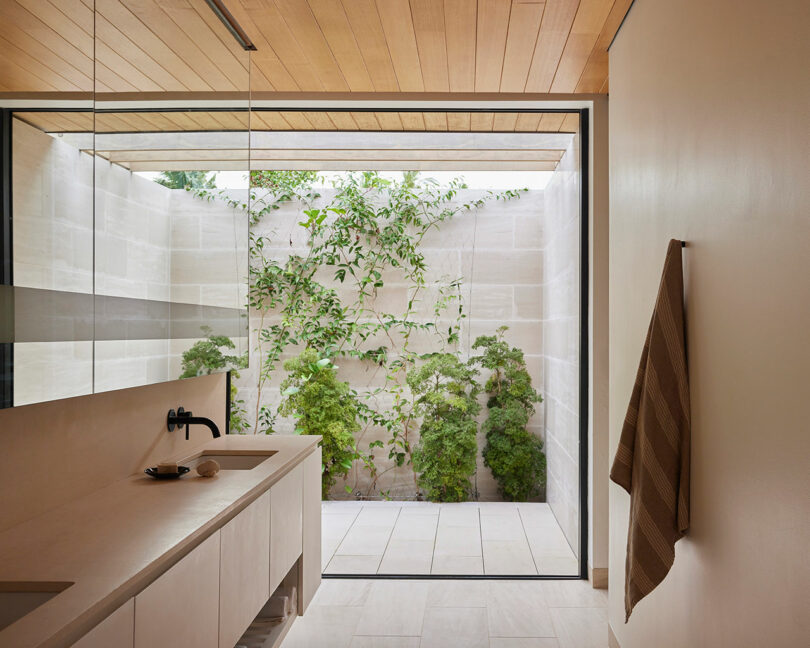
x=652, y=461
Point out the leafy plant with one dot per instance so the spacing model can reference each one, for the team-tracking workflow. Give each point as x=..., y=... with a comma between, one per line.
x=445, y=457
x=210, y=355
x=513, y=454
x=188, y=180
x=322, y=404
x=372, y=229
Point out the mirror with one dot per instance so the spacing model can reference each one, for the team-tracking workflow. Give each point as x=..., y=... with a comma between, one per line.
x=128, y=258
x=47, y=329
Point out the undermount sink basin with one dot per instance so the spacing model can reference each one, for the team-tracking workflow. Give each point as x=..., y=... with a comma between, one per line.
x=19, y=598
x=232, y=459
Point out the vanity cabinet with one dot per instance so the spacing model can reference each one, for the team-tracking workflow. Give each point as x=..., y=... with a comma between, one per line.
x=286, y=524
x=210, y=597
x=244, y=565
x=310, y=566
x=181, y=608
x=116, y=630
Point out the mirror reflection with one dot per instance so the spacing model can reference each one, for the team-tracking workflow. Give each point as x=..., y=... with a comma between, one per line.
x=128, y=258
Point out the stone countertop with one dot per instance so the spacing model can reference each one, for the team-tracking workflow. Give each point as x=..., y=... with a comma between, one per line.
x=115, y=541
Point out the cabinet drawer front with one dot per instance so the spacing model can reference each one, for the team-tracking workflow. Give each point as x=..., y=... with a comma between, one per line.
x=181, y=608
x=117, y=630
x=244, y=566
x=286, y=523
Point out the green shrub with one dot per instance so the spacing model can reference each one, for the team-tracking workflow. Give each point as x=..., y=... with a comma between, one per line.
x=207, y=356
x=322, y=404
x=513, y=454
x=445, y=393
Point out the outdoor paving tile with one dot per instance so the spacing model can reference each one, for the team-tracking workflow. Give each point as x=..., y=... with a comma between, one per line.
x=502, y=527
x=550, y=566
x=458, y=516
x=353, y=565
x=458, y=541
x=512, y=558
x=536, y=515
x=407, y=557
x=419, y=508
x=455, y=531
x=458, y=593
x=365, y=541
x=454, y=628
x=498, y=508
x=517, y=609
x=336, y=526
x=328, y=548
x=457, y=565
x=549, y=542
x=580, y=627
x=415, y=527
x=394, y=607
x=378, y=515
x=336, y=506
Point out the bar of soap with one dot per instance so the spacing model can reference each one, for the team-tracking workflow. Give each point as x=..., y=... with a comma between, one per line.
x=207, y=468
x=167, y=468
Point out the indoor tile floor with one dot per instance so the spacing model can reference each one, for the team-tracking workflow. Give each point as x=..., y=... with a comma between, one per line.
x=361, y=613
x=492, y=538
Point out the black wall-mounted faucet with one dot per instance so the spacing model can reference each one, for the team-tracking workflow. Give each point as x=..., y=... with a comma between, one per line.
x=182, y=418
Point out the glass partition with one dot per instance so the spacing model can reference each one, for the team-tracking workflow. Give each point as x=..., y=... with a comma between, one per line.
x=127, y=260
x=171, y=180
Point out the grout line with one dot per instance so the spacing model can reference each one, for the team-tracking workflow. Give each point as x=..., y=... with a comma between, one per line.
x=388, y=542
x=435, y=538
x=481, y=540
x=343, y=537
x=526, y=535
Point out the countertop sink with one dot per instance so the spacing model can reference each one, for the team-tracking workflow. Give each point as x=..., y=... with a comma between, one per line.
x=231, y=459
x=18, y=598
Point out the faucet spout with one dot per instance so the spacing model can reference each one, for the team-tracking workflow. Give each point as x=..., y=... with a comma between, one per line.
x=183, y=418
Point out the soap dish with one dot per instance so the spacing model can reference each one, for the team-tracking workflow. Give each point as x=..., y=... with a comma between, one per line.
x=153, y=472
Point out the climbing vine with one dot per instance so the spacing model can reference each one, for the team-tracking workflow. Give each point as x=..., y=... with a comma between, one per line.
x=322, y=294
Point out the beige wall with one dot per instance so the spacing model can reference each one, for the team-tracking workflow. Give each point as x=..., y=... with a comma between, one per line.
x=57, y=451
x=709, y=138
x=598, y=346
x=561, y=290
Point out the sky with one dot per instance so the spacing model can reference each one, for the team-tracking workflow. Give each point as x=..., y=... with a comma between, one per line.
x=496, y=180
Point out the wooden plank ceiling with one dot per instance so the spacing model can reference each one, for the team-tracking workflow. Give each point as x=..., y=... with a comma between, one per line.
x=379, y=46
x=129, y=122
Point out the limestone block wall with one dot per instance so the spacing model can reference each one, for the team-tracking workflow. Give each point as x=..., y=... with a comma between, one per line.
x=122, y=235
x=498, y=250
x=561, y=329
x=53, y=248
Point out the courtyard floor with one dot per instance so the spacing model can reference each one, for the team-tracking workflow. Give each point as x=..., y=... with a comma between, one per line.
x=485, y=538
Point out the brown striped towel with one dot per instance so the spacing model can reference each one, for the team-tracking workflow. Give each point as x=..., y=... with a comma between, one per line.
x=652, y=461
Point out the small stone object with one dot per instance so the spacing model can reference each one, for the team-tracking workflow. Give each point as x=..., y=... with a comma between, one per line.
x=167, y=468
x=207, y=468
